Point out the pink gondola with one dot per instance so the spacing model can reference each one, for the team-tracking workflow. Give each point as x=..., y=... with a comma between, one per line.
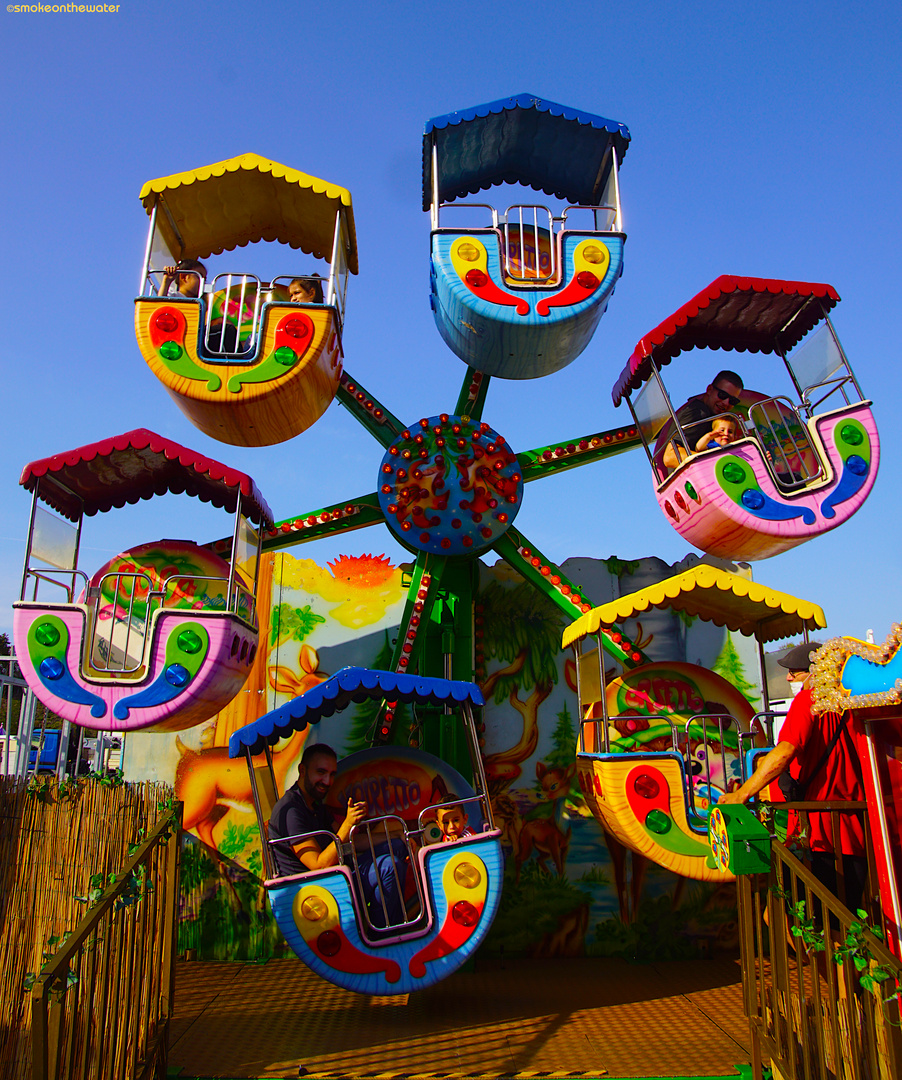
x=164, y=635
x=799, y=468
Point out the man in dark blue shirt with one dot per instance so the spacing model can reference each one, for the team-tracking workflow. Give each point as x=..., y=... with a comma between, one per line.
x=301, y=810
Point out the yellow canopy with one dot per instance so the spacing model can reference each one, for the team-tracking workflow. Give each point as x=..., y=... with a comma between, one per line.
x=716, y=595
x=232, y=203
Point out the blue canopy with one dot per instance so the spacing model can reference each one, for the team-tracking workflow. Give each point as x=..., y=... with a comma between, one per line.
x=522, y=140
x=350, y=684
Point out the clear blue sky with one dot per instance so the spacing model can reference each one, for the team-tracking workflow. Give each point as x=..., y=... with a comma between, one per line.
x=765, y=142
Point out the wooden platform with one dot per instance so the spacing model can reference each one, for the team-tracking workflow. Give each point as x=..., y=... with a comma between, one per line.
x=561, y=1018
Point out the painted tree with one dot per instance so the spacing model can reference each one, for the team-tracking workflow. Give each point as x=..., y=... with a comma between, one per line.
x=730, y=667
x=563, y=740
x=523, y=628
x=365, y=715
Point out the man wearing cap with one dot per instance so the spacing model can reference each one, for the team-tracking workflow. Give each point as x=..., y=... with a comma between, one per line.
x=821, y=756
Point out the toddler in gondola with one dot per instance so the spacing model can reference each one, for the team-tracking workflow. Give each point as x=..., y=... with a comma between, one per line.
x=724, y=430
x=452, y=820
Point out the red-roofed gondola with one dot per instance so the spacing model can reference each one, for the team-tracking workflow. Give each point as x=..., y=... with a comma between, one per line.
x=164, y=635
x=798, y=468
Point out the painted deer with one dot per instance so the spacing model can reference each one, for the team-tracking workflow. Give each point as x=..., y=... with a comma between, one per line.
x=543, y=835
x=209, y=782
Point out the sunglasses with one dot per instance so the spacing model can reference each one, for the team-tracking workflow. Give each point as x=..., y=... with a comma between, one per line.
x=724, y=396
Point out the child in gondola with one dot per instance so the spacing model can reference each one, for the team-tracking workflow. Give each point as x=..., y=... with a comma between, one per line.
x=188, y=275
x=305, y=291
x=452, y=820
x=724, y=430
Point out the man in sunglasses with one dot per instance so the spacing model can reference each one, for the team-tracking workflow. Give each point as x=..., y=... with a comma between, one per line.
x=696, y=415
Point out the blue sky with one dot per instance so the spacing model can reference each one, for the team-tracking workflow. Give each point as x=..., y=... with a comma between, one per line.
x=765, y=142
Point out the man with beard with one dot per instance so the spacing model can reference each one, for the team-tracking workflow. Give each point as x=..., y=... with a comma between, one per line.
x=301, y=810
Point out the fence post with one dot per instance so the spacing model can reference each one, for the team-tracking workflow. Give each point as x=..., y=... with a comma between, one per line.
x=39, y=1032
x=170, y=917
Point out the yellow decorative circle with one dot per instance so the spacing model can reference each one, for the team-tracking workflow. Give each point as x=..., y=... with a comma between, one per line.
x=313, y=908
x=466, y=875
x=720, y=842
x=594, y=254
x=467, y=252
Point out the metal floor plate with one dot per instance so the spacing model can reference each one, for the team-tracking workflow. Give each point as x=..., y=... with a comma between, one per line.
x=527, y=1018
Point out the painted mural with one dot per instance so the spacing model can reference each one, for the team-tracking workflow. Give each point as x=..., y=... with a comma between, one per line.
x=570, y=889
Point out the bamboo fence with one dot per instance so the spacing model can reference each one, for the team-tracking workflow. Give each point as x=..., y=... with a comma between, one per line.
x=54, y=838
x=810, y=967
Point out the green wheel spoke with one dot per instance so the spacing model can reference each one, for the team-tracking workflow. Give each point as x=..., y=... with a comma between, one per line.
x=421, y=599
x=471, y=400
x=548, y=579
x=558, y=457
x=368, y=411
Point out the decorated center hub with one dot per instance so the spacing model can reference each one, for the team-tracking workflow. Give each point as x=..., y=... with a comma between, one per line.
x=450, y=485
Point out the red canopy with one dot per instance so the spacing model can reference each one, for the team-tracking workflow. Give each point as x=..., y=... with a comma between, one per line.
x=741, y=313
x=134, y=466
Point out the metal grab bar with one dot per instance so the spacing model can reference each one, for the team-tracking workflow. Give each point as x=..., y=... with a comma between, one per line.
x=480, y=798
x=47, y=576
x=468, y=206
x=601, y=734
x=702, y=720
x=367, y=828
x=836, y=384
x=788, y=474
x=755, y=731
x=215, y=337
x=607, y=208
x=296, y=838
x=530, y=269
x=151, y=282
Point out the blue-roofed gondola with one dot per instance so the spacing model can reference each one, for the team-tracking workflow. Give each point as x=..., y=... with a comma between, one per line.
x=336, y=920
x=517, y=292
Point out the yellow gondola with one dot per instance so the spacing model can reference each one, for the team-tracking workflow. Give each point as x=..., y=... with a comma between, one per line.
x=655, y=801
x=243, y=363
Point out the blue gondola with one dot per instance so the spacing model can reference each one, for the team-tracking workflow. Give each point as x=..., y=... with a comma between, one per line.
x=520, y=295
x=453, y=888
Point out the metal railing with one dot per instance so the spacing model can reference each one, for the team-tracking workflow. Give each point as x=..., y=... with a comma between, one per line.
x=102, y=1004
x=531, y=254
x=243, y=297
x=106, y=642
x=598, y=741
x=789, y=468
x=703, y=723
x=761, y=726
x=239, y=297
x=704, y=729
x=371, y=840
x=109, y=648
x=811, y=1016
x=49, y=577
